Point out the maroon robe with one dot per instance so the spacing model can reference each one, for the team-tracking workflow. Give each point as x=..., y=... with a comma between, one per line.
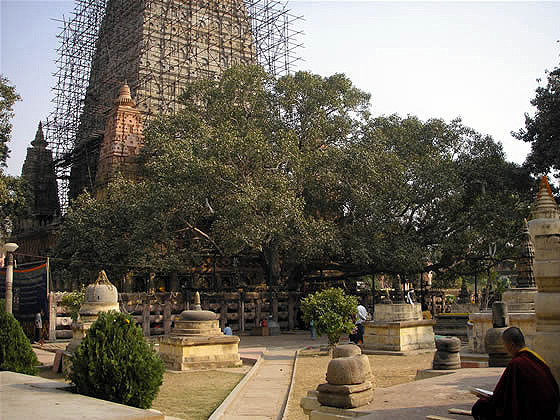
x=526, y=391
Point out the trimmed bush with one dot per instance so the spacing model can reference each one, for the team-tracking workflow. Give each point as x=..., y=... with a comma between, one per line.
x=16, y=354
x=115, y=363
x=332, y=313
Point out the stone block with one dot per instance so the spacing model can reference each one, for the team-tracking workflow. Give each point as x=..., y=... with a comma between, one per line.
x=344, y=389
x=353, y=400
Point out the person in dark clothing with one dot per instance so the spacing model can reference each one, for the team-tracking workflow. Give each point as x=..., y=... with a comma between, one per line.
x=526, y=391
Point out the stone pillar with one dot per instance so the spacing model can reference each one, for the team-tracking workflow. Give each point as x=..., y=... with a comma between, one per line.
x=275, y=308
x=146, y=318
x=241, y=308
x=258, y=310
x=167, y=317
x=52, y=317
x=223, y=312
x=544, y=228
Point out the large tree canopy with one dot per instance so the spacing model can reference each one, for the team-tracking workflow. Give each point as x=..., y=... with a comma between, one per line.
x=543, y=129
x=12, y=190
x=296, y=171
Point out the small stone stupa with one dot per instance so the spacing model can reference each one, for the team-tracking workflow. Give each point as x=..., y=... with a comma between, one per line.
x=522, y=297
x=100, y=296
x=197, y=342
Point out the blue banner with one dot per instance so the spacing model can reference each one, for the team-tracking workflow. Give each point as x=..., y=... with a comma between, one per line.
x=29, y=290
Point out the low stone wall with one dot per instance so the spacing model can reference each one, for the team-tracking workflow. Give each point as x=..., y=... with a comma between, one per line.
x=400, y=336
x=482, y=322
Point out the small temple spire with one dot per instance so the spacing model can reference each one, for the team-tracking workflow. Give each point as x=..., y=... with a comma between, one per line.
x=545, y=206
x=125, y=97
x=526, y=277
x=39, y=140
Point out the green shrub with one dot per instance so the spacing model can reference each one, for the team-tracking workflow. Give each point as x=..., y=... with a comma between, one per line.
x=16, y=353
x=114, y=362
x=331, y=311
x=71, y=301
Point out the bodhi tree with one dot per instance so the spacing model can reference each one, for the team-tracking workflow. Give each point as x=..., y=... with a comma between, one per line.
x=435, y=200
x=254, y=158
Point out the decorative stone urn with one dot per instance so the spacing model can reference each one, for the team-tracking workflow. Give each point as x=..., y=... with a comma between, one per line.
x=447, y=354
x=100, y=296
x=197, y=342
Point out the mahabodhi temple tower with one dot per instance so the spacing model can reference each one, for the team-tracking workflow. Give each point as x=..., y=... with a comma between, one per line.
x=156, y=47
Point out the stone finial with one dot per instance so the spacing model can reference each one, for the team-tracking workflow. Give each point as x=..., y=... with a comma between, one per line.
x=197, y=306
x=526, y=277
x=102, y=278
x=545, y=206
x=39, y=140
x=125, y=97
x=499, y=315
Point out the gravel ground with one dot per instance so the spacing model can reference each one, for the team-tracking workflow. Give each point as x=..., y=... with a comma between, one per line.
x=388, y=370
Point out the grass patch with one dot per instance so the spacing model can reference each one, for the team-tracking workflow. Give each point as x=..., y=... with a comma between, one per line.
x=194, y=395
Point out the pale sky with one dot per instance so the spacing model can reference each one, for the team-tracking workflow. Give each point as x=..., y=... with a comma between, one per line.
x=474, y=60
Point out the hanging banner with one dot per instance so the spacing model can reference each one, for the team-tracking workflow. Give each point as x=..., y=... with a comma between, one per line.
x=29, y=289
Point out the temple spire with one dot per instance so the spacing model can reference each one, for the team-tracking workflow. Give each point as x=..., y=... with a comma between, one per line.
x=545, y=206
x=39, y=140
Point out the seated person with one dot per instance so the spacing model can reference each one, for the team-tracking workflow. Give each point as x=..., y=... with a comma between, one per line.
x=526, y=391
x=227, y=330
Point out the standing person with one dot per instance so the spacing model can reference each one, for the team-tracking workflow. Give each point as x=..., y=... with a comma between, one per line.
x=357, y=336
x=227, y=330
x=313, y=330
x=38, y=326
x=526, y=391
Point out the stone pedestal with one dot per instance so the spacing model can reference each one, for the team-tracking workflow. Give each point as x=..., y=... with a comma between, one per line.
x=197, y=342
x=398, y=328
x=544, y=228
x=497, y=353
x=447, y=355
x=190, y=353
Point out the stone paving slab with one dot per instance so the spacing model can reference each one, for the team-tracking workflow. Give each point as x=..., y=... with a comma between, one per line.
x=418, y=399
x=29, y=397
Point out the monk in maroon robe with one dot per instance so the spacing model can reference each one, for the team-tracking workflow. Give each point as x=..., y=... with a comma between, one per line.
x=526, y=391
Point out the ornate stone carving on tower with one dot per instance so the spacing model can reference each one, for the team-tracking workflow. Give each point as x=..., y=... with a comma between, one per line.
x=158, y=46
x=544, y=227
x=122, y=141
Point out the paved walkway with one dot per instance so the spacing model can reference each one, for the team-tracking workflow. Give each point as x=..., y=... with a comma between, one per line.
x=264, y=395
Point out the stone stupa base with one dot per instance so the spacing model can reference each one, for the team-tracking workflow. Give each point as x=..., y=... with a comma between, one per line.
x=194, y=353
